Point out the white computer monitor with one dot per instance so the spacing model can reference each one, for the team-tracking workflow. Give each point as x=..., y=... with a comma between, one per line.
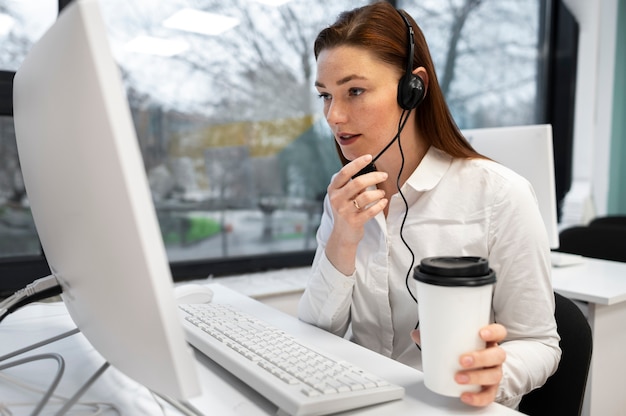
x=90, y=200
x=528, y=150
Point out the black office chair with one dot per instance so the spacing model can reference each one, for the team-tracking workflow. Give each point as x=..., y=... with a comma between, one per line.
x=609, y=221
x=564, y=391
x=599, y=242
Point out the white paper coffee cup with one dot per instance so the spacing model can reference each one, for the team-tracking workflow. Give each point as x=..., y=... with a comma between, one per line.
x=454, y=302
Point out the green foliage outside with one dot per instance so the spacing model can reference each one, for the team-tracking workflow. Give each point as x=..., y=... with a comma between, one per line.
x=193, y=229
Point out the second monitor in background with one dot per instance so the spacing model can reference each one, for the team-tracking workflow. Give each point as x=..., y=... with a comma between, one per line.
x=527, y=150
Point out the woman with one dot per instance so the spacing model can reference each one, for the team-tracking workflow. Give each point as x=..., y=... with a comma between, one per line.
x=428, y=193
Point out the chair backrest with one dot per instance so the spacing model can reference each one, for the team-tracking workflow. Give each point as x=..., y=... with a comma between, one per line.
x=600, y=242
x=564, y=391
x=609, y=221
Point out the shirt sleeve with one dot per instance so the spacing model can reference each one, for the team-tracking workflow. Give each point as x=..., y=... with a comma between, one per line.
x=327, y=298
x=523, y=297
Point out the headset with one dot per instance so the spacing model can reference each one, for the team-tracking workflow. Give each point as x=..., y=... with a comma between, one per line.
x=411, y=90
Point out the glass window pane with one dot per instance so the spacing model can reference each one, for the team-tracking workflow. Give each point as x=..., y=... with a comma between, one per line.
x=486, y=55
x=22, y=22
x=229, y=123
x=236, y=150
x=18, y=236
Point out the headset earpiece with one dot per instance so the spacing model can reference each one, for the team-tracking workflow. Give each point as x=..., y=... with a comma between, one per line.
x=411, y=89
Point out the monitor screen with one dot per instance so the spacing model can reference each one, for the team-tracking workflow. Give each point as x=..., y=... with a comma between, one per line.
x=528, y=151
x=89, y=195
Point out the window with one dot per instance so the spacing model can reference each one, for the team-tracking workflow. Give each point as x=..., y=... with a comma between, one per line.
x=18, y=236
x=228, y=121
x=234, y=143
x=21, y=24
x=235, y=150
x=487, y=58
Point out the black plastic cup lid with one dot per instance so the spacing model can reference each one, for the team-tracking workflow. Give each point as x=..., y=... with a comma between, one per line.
x=454, y=271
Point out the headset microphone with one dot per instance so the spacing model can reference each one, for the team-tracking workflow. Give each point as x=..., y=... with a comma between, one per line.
x=371, y=167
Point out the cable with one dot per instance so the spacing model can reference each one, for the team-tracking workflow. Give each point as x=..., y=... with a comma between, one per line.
x=83, y=388
x=39, y=289
x=403, y=119
x=55, y=381
x=97, y=407
x=185, y=408
x=39, y=344
x=401, y=124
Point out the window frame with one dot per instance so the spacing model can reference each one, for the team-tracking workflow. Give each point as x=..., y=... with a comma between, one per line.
x=6, y=93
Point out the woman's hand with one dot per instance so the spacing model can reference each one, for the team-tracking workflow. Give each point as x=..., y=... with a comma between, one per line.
x=483, y=367
x=354, y=202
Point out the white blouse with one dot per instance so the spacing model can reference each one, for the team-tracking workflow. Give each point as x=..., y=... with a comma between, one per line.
x=457, y=207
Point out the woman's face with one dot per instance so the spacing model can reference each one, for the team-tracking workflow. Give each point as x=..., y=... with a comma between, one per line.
x=359, y=94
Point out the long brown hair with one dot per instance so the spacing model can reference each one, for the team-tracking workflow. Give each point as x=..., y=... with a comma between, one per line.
x=380, y=29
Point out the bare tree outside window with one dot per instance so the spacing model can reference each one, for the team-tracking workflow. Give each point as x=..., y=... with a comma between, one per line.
x=486, y=53
x=230, y=126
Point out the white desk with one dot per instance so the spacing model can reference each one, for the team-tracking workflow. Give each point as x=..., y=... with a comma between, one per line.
x=602, y=284
x=222, y=393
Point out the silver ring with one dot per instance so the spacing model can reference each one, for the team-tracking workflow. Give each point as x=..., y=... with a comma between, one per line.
x=356, y=204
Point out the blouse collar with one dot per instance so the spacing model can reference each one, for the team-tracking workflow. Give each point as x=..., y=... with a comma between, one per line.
x=431, y=169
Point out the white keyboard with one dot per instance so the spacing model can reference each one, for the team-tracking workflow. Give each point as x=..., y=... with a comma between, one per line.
x=296, y=378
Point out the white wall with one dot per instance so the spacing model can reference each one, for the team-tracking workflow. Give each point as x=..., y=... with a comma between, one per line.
x=593, y=111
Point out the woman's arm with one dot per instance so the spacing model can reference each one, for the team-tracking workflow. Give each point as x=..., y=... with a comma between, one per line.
x=523, y=300
x=327, y=298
